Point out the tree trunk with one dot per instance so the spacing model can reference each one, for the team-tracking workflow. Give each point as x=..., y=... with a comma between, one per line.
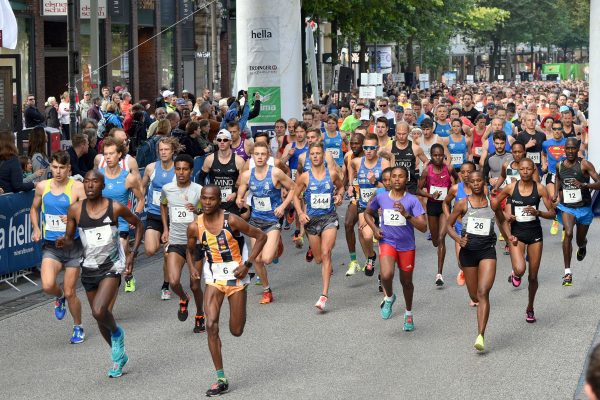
x=532, y=60
x=410, y=55
x=362, y=41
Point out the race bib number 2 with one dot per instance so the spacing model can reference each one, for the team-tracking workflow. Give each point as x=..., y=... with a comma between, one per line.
x=97, y=237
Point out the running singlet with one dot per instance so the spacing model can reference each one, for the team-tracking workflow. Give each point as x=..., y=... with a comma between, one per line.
x=442, y=130
x=53, y=207
x=114, y=188
x=334, y=146
x=397, y=231
x=223, y=253
x=102, y=250
x=293, y=161
x=477, y=145
x=176, y=198
x=406, y=158
x=367, y=189
x=458, y=151
x=158, y=179
x=265, y=196
x=571, y=196
x=460, y=194
x=241, y=149
x=524, y=221
x=224, y=175
x=555, y=152
x=512, y=174
x=427, y=147
x=318, y=195
x=438, y=182
x=478, y=226
x=123, y=163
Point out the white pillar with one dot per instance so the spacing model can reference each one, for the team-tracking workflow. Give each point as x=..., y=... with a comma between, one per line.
x=269, y=57
x=594, y=103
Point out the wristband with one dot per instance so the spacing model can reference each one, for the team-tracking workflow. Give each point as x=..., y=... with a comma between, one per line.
x=248, y=264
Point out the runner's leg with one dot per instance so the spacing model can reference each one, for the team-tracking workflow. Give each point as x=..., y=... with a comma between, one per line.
x=567, y=245
x=49, y=272
x=70, y=287
x=213, y=299
x=99, y=300
x=237, y=312
x=487, y=274
x=174, y=265
x=328, y=237
x=534, y=252
x=407, y=287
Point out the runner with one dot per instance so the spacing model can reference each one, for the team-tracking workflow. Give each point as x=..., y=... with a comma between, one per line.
x=313, y=135
x=220, y=235
x=179, y=202
x=54, y=196
x=533, y=140
x=127, y=162
x=265, y=183
x=478, y=252
x=525, y=227
x=351, y=217
x=333, y=140
x=158, y=174
x=458, y=145
x=575, y=207
x=118, y=185
x=442, y=127
x=367, y=170
x=104, y=258
x=478, y=132
x=437, y=178
x=317, y=187
x=240, y=146
x=401, y=213
x=553, y=152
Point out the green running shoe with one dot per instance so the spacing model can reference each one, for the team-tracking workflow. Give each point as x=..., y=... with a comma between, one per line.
x=409, y=325
x=130, y=285
x=386, y=307
x=117, y=368
x=479, y=343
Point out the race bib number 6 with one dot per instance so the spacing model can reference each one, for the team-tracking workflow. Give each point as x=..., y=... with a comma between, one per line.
x=224, y=271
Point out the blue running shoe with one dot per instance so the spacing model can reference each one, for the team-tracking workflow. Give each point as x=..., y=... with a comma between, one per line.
x=59, y=308
x=78, y=334
x=386, y=307
x=118, y=345
x=117, y=368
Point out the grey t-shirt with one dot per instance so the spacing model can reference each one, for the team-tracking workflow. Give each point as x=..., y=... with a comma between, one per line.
x=176, y=198
x=495, y=163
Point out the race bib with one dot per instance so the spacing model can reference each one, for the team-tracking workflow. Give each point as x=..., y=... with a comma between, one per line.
x=100, y=236
x=54, y=223
x=571, y=196
x=181, y=215
x=224, y=271
x=478, y=151
x=366, y=194
x=522, y=216
x=322, y=201
x=355, y=182
x=479, y=226
x=443, y=192
x=156, y=197
x=293, y=174
x=262, y=203
x=535, y=157
x=225, y=193
x=457, y=159
x=393, y=218
x=335, y=152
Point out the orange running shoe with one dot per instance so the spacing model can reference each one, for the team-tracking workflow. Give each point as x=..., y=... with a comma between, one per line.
x=267, y=297
x=460, y=278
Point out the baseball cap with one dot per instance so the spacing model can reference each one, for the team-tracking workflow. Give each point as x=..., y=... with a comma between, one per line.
x=184, y=91
x=118, y=88
x=564, y=109
x=224, y=134
x=490, y=106
x=180, y=102
x=364, y=114
x=399, y=109
x=167, y=93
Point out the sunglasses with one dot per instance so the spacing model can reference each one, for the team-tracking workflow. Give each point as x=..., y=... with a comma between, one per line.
x=358, y=110
x=557, y=129
x=367, y=148
x=222, y=140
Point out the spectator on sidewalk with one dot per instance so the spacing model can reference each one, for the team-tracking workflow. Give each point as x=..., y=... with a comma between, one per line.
x=11, y=173
x=33, y=117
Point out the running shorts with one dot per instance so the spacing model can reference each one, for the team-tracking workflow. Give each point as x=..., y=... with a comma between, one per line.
x=471, y=258
x=320, y=223
x=404, y=259
x=70, y=258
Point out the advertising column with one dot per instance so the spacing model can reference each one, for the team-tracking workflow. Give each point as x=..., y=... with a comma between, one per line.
x=269, y=60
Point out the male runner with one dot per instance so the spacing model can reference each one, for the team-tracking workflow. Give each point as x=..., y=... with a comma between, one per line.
x=351, y=218
x=405, y=154
x=240, y=146
x=553, y=152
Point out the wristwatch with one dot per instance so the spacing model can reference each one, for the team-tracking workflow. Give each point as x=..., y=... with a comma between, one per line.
x=248, y=264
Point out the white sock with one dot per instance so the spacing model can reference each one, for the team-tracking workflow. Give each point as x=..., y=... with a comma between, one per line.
x=408, y=313
x=567, y=271
x=386, y=298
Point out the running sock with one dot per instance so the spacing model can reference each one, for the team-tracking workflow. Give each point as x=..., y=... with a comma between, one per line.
x=567, y=271
x=353, y=256
x=165, y=285
x=116, y=333
x=408, y=313
x=267, y=289
x=373, y=257
x=221, y=375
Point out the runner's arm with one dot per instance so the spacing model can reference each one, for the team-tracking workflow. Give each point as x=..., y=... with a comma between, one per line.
x=243, y=180
x=550, y=212
x=124, y=212
x=239, y=225
x=446, y=204
x=192, y=240
x=34, y=210
x=287, y=183
x=300, y=187
x=458, y=211
x=135, y=185
x=589, y=168
x=67, y=240
x=147, y=174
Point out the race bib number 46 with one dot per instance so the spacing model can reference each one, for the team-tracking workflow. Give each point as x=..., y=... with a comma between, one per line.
x=393, y=218
x=54, y=223
x=181, y=215
x=224, y=271
x=100, y=236
x=479, y=226
x=322, y=201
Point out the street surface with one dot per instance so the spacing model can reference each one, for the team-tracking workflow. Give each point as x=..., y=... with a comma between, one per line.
x=289, y=351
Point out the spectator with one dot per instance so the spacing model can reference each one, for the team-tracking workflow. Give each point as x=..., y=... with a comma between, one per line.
x=78, y=149
x=160, y=114
x=126, y=104
x=28, y=174
x=11, y=174
x=203, y=137
x=128, y=121
x=188, y=96
x=174, y=119
x=592, y=376
x=38, y=150
x=206, y=112
x=32, y=115
x=85, y=104
x=86, y=161
x=117, y=100
x=163, y=128
x=111, y=115
x=94, y=111
x=64, y=115
x=137, y=132
x=88, y=124
x=52, y=113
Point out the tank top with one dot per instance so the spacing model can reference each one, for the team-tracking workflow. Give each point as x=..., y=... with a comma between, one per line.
x=477, y=145
x=265, y=196
x=406, y=158
x=53, y=207
x=334, y=146
x=307, y=165
x=241, y=149
x=158, y=179
x=284, y=143
x=571, y=196
x=123, y=163
x=224, y=176
x=114, y=188
x=522, y=220
x=318, y=195
x=427, y=147
x=367, y=189
x=438, y=182
x=102, y=250
x=478, y=226
x=458, y=151
x=293, y=161
x=512, y=174
x=442, y=130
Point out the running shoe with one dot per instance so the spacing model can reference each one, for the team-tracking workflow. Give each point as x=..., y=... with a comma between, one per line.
x=563, y=236
x=386, y=307
x=375, y=240
x=479, y=343
x=554, y=227
x=59, y=308
x=78, y=335
x=581, y=253
x=506, y=250
x=370, y=266
x=439, y=280
x=286, y=226
x=165, y=294
x=460, y=278
x=515, y=280
x=428, y=237
x=258, y=282
x=298, y=241
x=380, y=288
x=473, y=304
x=199, y=325
x=118, y=345
x=309, y=255
x=222, y=386
x=182, y=313
x=267, y=297
x=409, y=325
x=321, y=303
x=117, y=368
x=530, y=316
x=352, y=268
x=568, y=280
x=130, y=285
x=501, y=238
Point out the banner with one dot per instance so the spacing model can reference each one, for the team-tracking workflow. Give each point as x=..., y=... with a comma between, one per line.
x=270, y=103
x=57, y=8
x=311, y=63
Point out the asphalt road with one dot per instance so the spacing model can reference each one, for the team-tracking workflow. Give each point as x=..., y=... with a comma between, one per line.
x=289, y=351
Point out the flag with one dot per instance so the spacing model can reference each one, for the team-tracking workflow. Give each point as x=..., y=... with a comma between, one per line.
x=311, y=59
x=8, y=26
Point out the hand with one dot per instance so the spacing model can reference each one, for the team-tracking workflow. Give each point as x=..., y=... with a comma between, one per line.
x=241, y=271
x=493, y=181
x=257, y=96
x=378, y=233
x=240, y=202
x=576, y=184
x=190, y=207
x=284, y=193
x=400, y=208
x=513, y=240
x=165, y=236
x=530, y=210
x=195, y=273
x=37, y=234
x=463, y=241
x=303, y=219
x=350, y=191
x=510, y=218
x=279, y=211
x=555, y=200
x=231, y=197
x=337, y=199
x=530, y=143
x=371, y=176
x=40, y=172
x=59, y=243
x=436, y=195
x=63, y=218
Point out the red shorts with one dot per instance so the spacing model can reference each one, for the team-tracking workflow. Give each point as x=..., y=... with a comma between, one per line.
x=404, y=259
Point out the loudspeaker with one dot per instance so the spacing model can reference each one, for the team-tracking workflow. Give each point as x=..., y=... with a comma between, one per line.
x=409, y=79
x=552, y=77
x=342, y=79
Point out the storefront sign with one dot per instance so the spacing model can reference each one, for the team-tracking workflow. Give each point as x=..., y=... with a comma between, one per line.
x=58, y=8
x=6, y=114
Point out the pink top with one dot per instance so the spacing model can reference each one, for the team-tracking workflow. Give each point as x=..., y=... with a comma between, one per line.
x=439, y=180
